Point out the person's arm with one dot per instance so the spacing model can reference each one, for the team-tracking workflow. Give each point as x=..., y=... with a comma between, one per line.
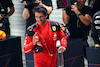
x=94, y=31
x=28, y=45
x=63, y=41
x=65, y=17
x=63, y=46
x=1, y=17
x=49, y=8
x=94, y=34
x=32, y=43
x=84, y=19
x=11, y=6
x=29, y=42
x=12, y=9
x=26, y=13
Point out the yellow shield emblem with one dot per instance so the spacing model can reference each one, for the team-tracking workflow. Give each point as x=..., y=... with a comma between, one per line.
x=54, y=28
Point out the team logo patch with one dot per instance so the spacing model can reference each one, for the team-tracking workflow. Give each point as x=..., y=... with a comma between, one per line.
x=54, y=36
x=63, y=28
x=54, y=28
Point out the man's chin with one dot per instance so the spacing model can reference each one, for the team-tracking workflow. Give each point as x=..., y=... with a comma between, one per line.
x=40, y=23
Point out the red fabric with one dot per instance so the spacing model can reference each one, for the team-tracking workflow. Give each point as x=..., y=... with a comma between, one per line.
x=47, y=39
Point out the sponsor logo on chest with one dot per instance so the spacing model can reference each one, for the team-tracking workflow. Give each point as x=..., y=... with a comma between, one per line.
x=55, y=36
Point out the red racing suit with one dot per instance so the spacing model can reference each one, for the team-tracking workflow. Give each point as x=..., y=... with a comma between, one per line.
x=46, y=53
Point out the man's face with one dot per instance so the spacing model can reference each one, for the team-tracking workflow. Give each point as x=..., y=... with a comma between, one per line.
x=82, y=2
x=40, y=18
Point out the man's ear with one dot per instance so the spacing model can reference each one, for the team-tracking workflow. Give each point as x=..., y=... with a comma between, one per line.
x=46, y=15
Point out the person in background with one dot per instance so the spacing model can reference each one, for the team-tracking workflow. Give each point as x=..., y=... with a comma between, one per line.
x=41, y=38
x=95, y=29
x=27, y=13
x=77, y=18
x=4, y=14
x=95, y=7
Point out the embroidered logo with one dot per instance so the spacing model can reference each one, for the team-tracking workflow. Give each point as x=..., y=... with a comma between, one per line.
x=54, y=36
x=54, y=28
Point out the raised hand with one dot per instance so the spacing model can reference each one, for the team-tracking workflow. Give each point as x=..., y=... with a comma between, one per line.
x=35, y=39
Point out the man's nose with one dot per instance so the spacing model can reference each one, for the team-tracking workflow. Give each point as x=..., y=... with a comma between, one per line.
x=39, y=18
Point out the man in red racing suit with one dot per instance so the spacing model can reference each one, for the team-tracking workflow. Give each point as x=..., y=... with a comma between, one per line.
x=45, y=51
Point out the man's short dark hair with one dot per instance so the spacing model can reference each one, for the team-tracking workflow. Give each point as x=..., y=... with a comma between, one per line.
x=40, y=9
